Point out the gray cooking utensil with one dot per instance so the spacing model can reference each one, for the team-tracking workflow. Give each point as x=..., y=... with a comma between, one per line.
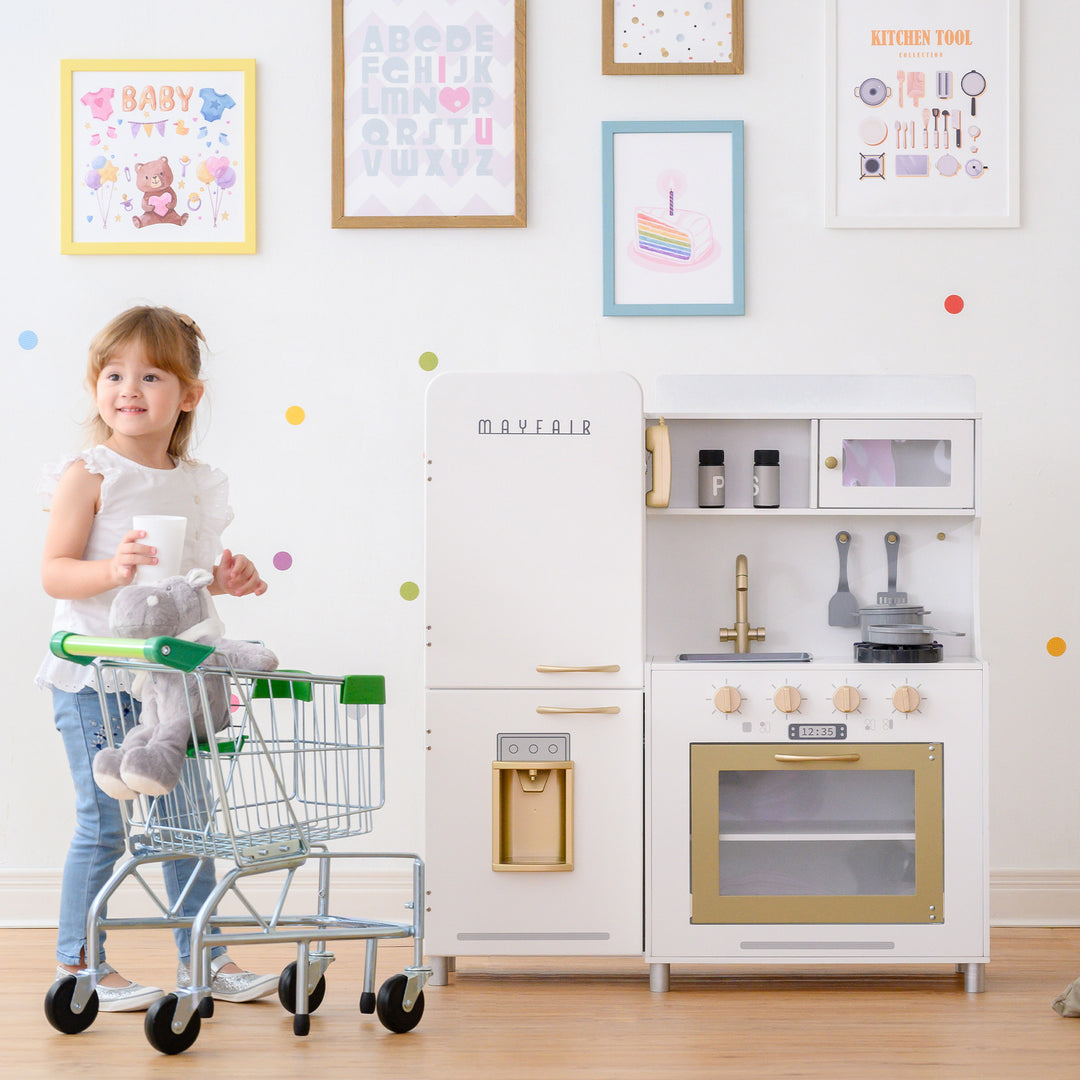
x=843, y=607
x=892, y=550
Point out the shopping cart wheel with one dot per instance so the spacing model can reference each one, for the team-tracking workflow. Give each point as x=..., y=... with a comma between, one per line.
x=58, y=1007
x=391, y=1009
x=286, y=991
x=158, y=1027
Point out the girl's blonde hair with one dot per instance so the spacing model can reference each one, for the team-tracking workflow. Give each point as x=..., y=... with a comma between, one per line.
x=171, y=341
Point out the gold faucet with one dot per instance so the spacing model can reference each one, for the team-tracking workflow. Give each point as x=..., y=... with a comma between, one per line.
x=742, y=633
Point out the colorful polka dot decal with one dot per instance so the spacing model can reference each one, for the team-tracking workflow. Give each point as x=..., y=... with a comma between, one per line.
x=1056, y=646
x=409, y=590
x=28, y=339
x=282, y=561
x=294, y=414
x=428, y=361
x=954, y=304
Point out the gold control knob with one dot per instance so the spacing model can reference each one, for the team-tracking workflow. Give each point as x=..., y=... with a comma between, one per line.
x=787, y=699
x=906, y=699
x=847, y=699
x=831, y=462
x=727, y=699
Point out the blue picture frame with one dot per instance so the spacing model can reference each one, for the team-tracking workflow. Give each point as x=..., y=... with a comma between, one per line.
x=659, y=260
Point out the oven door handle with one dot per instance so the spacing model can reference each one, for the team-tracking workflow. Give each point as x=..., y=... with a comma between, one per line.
x=796, y=758
x=558, y=710
x=560, y=669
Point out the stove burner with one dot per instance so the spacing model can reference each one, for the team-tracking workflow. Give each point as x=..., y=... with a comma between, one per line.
x=868, y=652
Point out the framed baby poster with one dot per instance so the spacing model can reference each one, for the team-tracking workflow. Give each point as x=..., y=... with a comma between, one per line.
x=695, y=37
x=923, y=104
x=428, y=114
x=157, y=157
x=673, y=217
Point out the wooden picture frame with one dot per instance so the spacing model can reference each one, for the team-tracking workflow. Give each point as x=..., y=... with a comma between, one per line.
x=673, y=217
x=157, y=157
x=429, y=117
x=694, y=38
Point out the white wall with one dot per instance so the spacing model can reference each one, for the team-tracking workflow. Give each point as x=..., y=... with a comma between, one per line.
x=334, y=320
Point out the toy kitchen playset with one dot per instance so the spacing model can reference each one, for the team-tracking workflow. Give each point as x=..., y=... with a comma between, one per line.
x=725, y=709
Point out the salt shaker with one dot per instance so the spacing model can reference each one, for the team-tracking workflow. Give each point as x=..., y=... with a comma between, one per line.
x=766, y=479
x=710, y=478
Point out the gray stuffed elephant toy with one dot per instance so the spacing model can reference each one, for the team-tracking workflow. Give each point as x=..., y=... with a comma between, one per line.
x=153, y=752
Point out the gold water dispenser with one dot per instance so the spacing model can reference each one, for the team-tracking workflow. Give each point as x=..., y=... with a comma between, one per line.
x=532, y=803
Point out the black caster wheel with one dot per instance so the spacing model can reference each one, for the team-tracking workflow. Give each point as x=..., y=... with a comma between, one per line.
x=58, y=1007
x=301, y=1025
x=367, y=1002
x=286, y=991
x=392, y=1014
x=158, y=1027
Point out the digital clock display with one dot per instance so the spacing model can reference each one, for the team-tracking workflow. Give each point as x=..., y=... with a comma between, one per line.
x=817, y=731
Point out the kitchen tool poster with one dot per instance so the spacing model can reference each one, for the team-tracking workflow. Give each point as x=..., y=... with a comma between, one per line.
x=923, y=124
x=158, y=156
x=429, y=113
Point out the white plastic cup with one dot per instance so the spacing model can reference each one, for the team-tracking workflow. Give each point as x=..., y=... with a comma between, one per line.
x=166, y=533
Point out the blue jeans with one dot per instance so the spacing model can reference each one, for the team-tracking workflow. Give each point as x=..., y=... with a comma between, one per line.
x=98, y=841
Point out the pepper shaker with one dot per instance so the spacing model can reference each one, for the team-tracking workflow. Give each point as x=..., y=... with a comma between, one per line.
x=710, y=482
x=766, y=479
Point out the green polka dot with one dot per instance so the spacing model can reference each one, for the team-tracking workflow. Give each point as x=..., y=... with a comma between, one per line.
x=409, y=590
x=429, y=361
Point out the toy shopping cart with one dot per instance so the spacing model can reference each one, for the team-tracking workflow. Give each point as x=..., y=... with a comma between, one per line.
x=299, y=767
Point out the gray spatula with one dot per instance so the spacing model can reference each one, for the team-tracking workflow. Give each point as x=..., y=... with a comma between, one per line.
x=892, y=551
x=843, y=607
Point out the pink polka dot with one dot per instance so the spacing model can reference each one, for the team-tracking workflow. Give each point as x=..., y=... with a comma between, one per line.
x=954, y=304
x=282, y=560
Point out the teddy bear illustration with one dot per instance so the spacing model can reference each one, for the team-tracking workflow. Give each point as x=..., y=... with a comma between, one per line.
x=154, y=179
x=152, y=755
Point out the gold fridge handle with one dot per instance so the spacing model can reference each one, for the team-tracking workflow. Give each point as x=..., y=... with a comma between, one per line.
x=815, y=757
x=556, y=710
x=556, y=669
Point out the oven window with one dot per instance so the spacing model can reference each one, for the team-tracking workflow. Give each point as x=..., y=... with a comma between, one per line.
x=818, y=836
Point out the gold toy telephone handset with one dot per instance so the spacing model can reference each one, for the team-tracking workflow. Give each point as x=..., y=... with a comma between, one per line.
x=658, y=443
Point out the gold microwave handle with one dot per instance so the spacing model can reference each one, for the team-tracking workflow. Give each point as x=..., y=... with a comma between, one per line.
x=556, y=710
x=556, y=669
x=796, y=758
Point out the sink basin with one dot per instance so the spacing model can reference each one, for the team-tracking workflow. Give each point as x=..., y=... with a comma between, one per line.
x=761, y=657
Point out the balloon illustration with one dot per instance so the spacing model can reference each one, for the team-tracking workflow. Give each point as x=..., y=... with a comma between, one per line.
x=101, y=180
x=218, y=176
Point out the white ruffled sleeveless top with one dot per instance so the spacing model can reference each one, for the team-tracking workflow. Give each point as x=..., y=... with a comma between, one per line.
x=191, y=490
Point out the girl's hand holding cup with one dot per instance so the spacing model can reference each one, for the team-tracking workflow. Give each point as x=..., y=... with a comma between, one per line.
x=130, y=555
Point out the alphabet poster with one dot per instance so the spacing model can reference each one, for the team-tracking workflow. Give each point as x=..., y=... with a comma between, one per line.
x=429, y=113
x=158, y=156
x=924, y=124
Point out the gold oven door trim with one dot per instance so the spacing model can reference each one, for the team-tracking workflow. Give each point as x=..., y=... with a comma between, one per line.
x=708, y=842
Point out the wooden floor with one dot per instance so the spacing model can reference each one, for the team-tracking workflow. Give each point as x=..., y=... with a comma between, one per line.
x=531, y=1019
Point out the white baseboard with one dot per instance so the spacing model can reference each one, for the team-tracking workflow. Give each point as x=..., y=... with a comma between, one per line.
x=32, y=897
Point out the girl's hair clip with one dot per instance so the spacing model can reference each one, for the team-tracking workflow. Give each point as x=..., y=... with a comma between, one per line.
x=190, y=323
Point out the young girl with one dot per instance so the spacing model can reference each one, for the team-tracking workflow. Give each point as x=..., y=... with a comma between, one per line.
x=143, y=373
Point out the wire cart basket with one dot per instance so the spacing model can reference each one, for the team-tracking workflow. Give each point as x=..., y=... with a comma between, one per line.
x=299, y=766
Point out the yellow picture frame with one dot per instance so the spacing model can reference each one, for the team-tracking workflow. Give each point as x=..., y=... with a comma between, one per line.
x=194, y=117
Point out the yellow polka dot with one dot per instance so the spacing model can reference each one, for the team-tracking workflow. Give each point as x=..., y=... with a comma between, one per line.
x=428, y=361
x=294, y=414
x=1056, y=646
x=409, y=590
x=663, y=52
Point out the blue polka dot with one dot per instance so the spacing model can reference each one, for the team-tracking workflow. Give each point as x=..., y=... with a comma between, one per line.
x=679, y=37
x=28, y=339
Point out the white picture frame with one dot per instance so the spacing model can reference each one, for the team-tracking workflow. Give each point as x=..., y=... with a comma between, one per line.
x=900, y=72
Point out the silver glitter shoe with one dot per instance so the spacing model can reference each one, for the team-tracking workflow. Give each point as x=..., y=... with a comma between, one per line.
x=240, y=986
x=130, y=998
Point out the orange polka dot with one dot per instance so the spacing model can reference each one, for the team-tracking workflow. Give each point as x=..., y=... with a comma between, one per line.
x=1056, y=646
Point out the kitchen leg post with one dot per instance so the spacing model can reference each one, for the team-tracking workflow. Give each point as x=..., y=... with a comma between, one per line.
x=441, y=966
x=659, y=978
x=974, y=978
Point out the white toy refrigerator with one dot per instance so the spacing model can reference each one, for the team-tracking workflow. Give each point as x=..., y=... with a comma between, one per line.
x=534, y=666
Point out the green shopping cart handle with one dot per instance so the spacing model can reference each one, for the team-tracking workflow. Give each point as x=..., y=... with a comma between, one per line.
x=170, y=652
